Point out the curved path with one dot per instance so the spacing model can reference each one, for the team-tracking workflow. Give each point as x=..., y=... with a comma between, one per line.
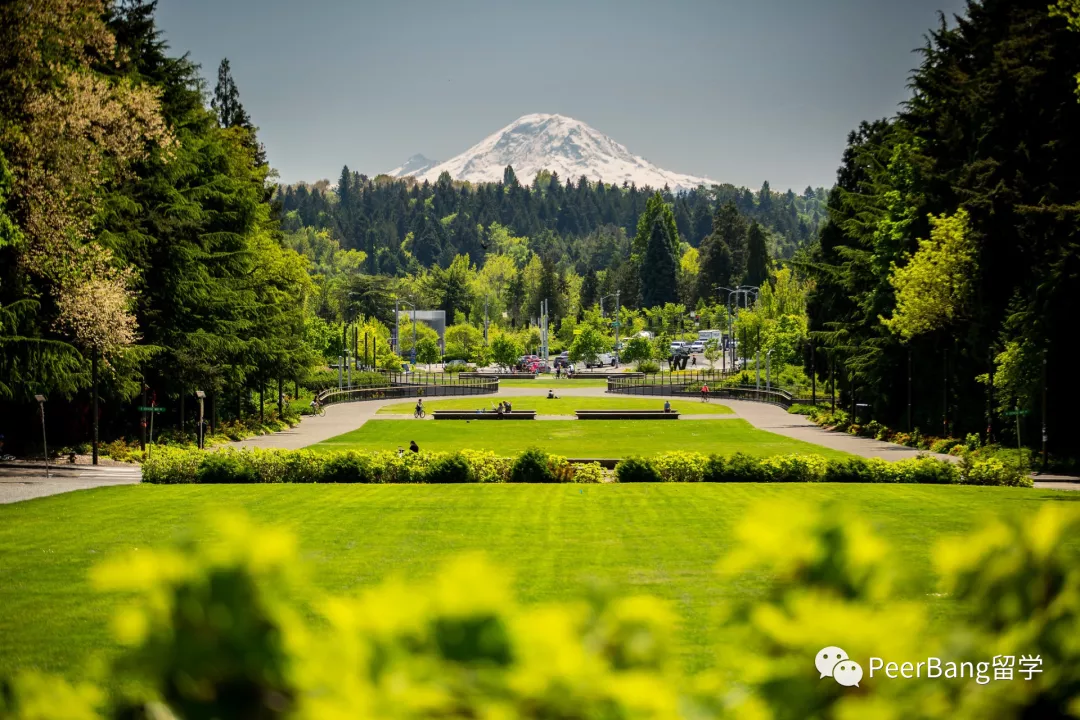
x=345, y=417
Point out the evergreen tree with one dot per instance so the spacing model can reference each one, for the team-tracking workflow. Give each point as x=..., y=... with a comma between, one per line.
x=658, y=268
x=730, y=230
x=231, y=113
x=510, y=178
x=758, y=263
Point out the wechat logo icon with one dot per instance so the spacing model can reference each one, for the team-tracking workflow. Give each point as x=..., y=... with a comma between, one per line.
x=834, y=662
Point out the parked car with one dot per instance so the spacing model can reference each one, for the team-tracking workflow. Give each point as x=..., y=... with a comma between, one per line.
x=697, y=347
x=602, y=360
x=677, y=346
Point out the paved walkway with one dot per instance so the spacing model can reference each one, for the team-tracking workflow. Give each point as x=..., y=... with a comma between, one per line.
x=24, y=481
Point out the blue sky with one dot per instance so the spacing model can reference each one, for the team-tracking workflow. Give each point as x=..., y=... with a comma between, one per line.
x=740, y=92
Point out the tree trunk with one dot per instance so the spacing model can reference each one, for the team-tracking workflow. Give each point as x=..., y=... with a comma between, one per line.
x=181, y=409
x=94, y=401
x=262, y=402
x=280, y=399
x=213, y=412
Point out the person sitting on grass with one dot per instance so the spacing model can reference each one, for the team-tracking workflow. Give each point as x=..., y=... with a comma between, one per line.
x=413, y=446
x=508, y=406
x=552, y=395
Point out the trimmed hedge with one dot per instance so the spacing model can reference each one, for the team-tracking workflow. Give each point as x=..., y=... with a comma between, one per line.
x=177, y=466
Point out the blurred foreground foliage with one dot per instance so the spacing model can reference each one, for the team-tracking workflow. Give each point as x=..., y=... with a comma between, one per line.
x=229, y=627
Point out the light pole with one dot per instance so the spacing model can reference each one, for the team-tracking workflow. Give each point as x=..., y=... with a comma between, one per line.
x=768, y=363
x=44, y=439
x=397, y=328
x=486, y=299
x=616, y=323
x=202, y=397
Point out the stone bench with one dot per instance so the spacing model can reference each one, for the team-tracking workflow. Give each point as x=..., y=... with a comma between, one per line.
x=490, y=415
x=626, y=415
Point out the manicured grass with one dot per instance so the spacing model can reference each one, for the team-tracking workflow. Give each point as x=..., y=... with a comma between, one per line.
x=663, y=540
x=574, y=438
x=561, y=405
x=545, y=381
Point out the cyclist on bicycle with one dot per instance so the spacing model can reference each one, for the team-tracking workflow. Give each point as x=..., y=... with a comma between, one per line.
x=315, y=406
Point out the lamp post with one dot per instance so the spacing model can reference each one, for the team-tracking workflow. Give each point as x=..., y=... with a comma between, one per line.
x=397, y=328
x=616, y=323
x=202, y=397
x=768, y=363
x=44, y=439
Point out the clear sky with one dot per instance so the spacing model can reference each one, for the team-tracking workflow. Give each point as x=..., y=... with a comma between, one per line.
x=738, y=91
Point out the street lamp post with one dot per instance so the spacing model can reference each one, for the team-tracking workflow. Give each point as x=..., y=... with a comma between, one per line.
x=44, y=439
x=768, y=364
x=616, y=323
x=202, y=397
x=397, y=328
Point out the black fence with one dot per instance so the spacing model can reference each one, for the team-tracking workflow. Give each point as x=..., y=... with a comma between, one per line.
x=411, y=385
x=689, y=384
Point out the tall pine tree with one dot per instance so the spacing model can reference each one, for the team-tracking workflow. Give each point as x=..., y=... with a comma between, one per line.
x=658, y=268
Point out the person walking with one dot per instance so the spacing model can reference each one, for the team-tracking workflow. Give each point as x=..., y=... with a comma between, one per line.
x=705, y=392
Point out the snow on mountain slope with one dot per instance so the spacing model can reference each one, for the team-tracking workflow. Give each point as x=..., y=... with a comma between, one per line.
x=559, y=144
x=412, y=166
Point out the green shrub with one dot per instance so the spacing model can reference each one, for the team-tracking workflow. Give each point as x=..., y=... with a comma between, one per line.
x=450, y=469
x=636, y=469
x=926, y=471
x=648, y=366
x=226, y=466
x=741, y=467
x=794, y=468
x=944, y=445
x=170, y=465
x=345, y=467
x=850, y=470
x=993, y=471
x=714, y=469
x=589, y=473
x=532, y=466
x=680, y=466
x=802, y=409
x=488, y=467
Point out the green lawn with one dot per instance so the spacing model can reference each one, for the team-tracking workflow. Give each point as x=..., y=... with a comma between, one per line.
x=574, y=438
x=545, y=381
x=663, y=540
x=560, y=405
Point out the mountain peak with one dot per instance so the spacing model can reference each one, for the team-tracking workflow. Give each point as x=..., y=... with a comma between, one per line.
x=414, y=165
x=557, y=143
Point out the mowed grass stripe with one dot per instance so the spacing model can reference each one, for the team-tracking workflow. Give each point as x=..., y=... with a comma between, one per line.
x=664, y=540
x=558, y=406
x=574, y=438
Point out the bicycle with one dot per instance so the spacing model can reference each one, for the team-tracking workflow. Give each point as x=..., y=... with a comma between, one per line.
x=318, y=409
x=419, y=413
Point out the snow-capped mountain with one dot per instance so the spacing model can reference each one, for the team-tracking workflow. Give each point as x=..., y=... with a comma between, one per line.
x=414, y=165
x=559, y=144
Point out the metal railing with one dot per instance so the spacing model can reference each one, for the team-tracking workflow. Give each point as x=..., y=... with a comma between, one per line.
x=689, y=384
x=411, y=385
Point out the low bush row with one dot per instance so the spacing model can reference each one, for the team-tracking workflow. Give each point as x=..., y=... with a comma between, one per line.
x=535, y=466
